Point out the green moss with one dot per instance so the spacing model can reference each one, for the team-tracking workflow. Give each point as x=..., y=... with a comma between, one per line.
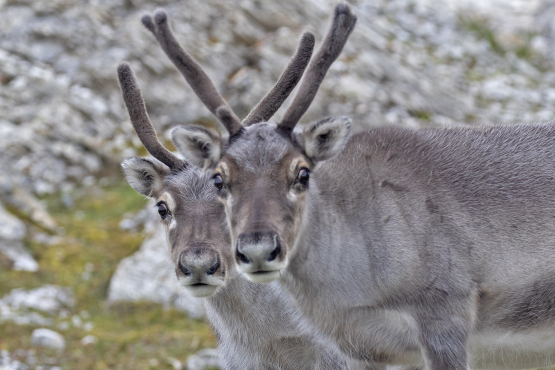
x=524, y=51
x=472, y=75
x=423, y=115
x=518, y=43
x=129, y=335
x=481, y=28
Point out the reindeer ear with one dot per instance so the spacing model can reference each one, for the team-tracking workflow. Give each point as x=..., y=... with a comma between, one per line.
x=324, y=139
x=198, y=145
x=146, y=176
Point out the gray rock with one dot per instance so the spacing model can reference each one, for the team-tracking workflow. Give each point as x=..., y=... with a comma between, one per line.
x=204, y=359
x=89, y=339
x=48, y=338
x=10, y=227
x=7, y=363
x=49, y=299
x=17, y=306
x=175, y=363
x=148, y=275
x=19, y=255
x=138, y=220
x=12, y=232
x=24, y=201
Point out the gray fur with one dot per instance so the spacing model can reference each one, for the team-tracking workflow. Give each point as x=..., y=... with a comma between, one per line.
x=429, y=246
x=258, y=326
x=462, y=241
x=342, y=26
x=325, y=139
x=286, y=83
x=145, y=176
x=198, y=144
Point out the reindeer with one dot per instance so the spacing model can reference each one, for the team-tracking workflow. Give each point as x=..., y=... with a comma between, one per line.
x=257, y=326
x=429, y=247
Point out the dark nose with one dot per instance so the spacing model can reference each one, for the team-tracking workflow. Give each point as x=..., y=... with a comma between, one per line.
x=199, y=261
x=258, y=247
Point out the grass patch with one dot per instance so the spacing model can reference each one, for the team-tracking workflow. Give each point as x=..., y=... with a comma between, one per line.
x=129, y=335
x=518, y=43
x=523, y=49
x=481, y=28
x=420, y=114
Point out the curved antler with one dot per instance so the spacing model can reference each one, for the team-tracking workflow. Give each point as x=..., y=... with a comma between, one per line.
x=191, y=70
x=286, y=83
x=342, y=26
x=139, y=118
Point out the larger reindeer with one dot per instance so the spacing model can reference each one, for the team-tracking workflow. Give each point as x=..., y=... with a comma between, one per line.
x=430, y=247
x=257, y=326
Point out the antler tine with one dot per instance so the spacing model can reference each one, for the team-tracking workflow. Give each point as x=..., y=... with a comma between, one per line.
x=191, y=70
x=342, y=26
x=139, y=118
x=286, y=83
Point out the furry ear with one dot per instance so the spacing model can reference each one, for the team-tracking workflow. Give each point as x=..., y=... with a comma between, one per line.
x=146, y=176
x=325, y=138
x=200, y=147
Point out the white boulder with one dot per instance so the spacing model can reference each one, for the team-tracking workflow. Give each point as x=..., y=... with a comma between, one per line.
x=48, y=338
x=48, y=298
x=12, y=232
x=148, y=275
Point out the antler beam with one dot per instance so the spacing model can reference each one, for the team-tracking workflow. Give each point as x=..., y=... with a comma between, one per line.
x=286, y=83
x=191, y=70
x=343, y=23
x=139, y=118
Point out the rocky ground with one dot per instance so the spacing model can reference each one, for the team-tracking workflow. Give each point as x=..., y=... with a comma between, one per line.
x=64, y=130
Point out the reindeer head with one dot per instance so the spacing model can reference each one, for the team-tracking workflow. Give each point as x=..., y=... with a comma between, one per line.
x=196, y=229
x=262, y=170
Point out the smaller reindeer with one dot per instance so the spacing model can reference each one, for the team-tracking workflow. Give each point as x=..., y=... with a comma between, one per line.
x=258, y=326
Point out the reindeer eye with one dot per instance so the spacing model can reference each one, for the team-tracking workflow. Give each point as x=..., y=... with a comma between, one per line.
x=304, y=175
x=163, y=209
x=218, y=181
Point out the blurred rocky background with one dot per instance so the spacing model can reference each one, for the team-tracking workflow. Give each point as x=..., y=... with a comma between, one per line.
x=73, y=253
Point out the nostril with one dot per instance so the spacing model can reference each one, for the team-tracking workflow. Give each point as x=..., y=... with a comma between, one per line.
x=276, y=250
x=242, y=257
x=274, y=253
x=184, y=269
x=214, y=268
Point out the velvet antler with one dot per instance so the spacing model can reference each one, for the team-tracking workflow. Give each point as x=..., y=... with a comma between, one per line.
x=286, y=83
x=191, y=70
x=206, y=91
x=342, y=26
x=139, y=118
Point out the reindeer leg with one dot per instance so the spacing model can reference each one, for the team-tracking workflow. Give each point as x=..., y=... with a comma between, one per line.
x=443, y=334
